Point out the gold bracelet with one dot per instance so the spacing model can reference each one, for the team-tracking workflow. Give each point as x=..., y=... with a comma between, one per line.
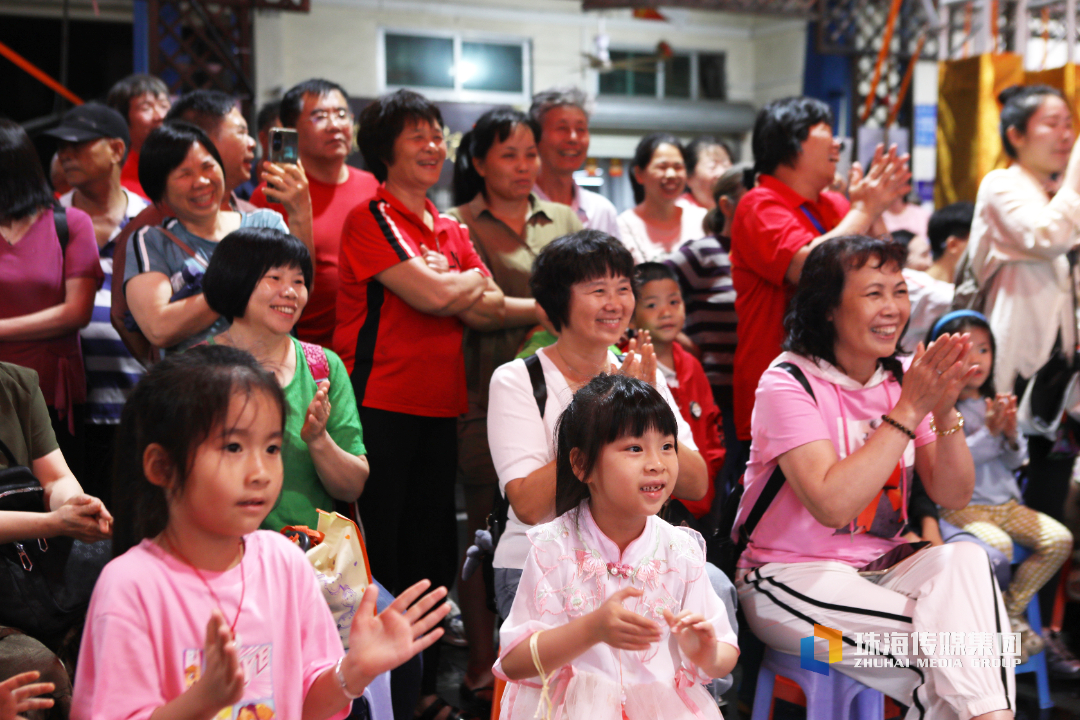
x=959, y=424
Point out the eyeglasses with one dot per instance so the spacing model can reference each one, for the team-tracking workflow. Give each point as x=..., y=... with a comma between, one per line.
x=338, y=115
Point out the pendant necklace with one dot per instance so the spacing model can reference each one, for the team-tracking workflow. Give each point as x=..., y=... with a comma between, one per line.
x=243, y=581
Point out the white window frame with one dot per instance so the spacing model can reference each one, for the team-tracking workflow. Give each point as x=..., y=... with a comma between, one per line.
x=695, y=77
x=458, y=93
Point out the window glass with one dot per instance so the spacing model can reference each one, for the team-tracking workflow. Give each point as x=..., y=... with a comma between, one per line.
x=677, y=77
x=487, y=66
x=712, y=76
x=638, y=80
x=419, y=61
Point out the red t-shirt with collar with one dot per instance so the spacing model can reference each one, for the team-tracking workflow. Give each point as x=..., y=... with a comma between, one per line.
x=330, y=204
x=768, y=229
x=694, y=396
x=399, y=358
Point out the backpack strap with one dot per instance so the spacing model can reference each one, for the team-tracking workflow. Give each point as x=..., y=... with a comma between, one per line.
x=539, y=384
x=317, y=362
x=776, y=480
x=62, y=231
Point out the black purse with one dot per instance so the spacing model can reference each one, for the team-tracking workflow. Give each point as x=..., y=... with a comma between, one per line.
x=45, y=584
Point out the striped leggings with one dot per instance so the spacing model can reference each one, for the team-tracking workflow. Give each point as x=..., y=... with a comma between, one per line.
x=999, y=525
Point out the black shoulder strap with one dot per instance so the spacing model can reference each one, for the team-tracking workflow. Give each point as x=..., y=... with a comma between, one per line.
x=539, y=384
x=61, y=221
x=8, y=454
x=777, y=479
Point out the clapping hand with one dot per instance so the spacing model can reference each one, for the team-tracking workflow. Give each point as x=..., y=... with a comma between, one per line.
x=887, y=179
x=640, y=359
x=17, y=694
x=378, y=643
x=938, y=374
x=1001, y=415
x=318, y=413
x=624, y=629
x=696, y=636
x=221, y=683
x=84, y=518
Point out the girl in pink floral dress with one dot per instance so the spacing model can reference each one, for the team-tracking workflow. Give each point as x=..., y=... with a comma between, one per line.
x=614, y=617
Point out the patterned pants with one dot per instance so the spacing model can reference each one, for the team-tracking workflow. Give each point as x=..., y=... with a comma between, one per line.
x=999, y=525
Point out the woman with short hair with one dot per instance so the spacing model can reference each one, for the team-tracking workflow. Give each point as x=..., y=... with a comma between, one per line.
x=840, y=426
x=181, y=172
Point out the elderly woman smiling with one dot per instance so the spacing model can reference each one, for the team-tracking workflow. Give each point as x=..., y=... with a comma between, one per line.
x=839, y=427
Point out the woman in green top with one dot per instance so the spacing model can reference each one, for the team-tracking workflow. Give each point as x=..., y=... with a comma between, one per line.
x=259, y=279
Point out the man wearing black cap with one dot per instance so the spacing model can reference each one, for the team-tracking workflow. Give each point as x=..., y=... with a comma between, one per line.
x=93, y=144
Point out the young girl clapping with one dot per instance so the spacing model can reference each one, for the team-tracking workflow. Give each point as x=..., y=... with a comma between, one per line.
x=205, y=614
x=614, y=616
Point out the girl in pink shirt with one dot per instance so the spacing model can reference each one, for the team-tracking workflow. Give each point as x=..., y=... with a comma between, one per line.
x=204, y=615
x=614, y=618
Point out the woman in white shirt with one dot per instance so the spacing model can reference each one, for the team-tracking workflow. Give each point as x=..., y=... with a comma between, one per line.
x=1027, y=218
x=659, y=224
x=581, y=283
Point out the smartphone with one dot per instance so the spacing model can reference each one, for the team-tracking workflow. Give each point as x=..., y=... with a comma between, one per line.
x=898, y=554
x=283, y=146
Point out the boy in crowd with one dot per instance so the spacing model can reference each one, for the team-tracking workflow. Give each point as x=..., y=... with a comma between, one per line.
x=660, y=311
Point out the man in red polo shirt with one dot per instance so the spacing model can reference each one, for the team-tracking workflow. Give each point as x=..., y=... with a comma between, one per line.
x=319, y=111
x=787, y=215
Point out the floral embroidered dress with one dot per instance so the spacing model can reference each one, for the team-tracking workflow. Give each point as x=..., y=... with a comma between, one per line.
x=571, y=570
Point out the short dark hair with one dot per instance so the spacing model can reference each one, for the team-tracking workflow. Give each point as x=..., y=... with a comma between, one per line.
x=960, y=321
x=609, y=407
x=124, y=91
x=1018, y=104
x=23, y=187
x=494, y=125
x=643, y=156
x=693, y=149
x=240, y=261
x=292, y=103
x=178, y=404
x=950, y=221
x=577, y=257
x=647, y=272
x=902, y=237
x=204, y=108
x=821, y=289
x=383, y=120
x=267, y=114
x=734, y=179
x=165, y=149
x=780, y=129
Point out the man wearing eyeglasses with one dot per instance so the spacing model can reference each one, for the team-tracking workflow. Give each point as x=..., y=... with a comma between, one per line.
x=319, y=112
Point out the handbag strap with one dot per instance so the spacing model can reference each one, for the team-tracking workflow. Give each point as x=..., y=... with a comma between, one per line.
x=8, y=454
x=182, y=245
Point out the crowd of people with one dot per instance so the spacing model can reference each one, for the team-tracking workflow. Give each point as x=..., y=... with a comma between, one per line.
x=748, y=391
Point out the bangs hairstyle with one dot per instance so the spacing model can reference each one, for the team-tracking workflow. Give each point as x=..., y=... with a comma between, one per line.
x=495, y=125
x=821, y=288
x=23, y=187
x=646, y=148
x=780, y=129
x=204, y=108
x=610, y=407
x=166, y=147
x=292, y=103
x=240, y=261
x=648, y=272
x=570, y=259
x=1018, y=104
x=384, y=120
x=962, y=321
x=179, y=404
x=133, y=86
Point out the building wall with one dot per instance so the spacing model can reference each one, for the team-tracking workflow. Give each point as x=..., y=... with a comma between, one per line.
x=338, y=40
